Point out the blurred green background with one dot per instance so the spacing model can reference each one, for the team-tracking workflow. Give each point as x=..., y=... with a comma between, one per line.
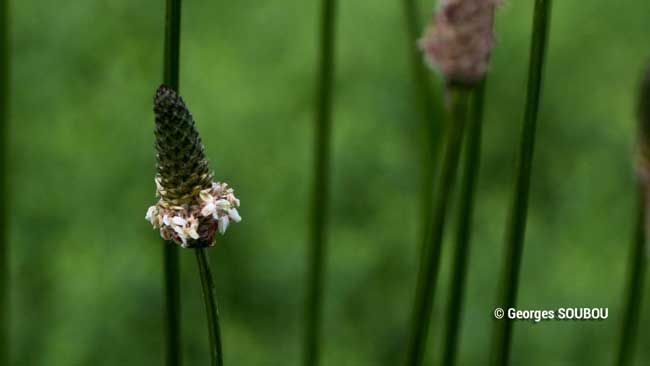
x=86, y=266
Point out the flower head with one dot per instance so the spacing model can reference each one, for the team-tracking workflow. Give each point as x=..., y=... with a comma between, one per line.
x=191, y=207
x=459, y=40
x=182, y=167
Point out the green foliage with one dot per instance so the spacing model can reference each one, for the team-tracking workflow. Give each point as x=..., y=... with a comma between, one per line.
x=86, y=281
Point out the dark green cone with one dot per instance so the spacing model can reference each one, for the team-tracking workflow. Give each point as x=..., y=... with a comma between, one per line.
x=182, y=167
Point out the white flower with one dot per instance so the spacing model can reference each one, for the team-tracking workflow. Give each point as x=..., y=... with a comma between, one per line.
x=185, y=228
x=234, y=215
x=181, y=233
x=178, y=224
x=178, y=221
x=230, y=196
x=182, y=223
x=191, y=227
x=223, y=224
x=209, y=209
x=152, y=216
x=223, y=205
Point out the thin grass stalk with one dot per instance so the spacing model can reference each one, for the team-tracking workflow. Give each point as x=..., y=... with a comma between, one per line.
x=638, y=260
x=429, y=267
x=317, y=255
x=430, y=113
x=4, y=194
x=466, y=208
x=173, y=355
x=637, y=271
x=515, y=230
x=211, y=308
x=420, y=74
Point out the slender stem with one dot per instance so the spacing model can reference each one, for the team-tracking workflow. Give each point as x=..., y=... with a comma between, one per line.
x=430, y=110
x=517, y=221
x=321, y=185
x=4, y=192
x=172, y=43
x=211, y=309
x=461, y=252
x=638, y=255
x=432, y=247
x=637, y=270
x=173, y=355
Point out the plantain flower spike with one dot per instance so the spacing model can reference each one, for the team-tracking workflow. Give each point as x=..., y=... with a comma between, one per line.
x=459, y=40
x=191, y=206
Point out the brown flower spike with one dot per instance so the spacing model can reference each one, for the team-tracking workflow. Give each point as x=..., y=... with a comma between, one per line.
x=459, y=40
x=191, y=207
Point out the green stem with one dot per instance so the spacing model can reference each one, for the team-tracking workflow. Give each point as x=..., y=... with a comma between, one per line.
x=430, y=110
x=172, y=44
x=637, y=270
x=172, y=305
x=461, y=253
x=517, y=220
x=432, y=247
x=4, y=192
x=427, y=98
x=173, y=356
x=211, y=309
x=321, y=185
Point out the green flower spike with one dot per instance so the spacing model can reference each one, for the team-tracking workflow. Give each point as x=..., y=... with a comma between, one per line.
x=191, y=207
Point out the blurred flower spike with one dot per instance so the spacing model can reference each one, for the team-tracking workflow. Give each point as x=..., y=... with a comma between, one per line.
x=459, y=40
x=191, y=207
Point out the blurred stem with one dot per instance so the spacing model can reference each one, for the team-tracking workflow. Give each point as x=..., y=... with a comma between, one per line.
x=320, y=188
x=173, y=355
x=461, y=253
x=517, y=221
x=430, y=113
x=430, y=261
x=211, y=309
x=172, y=43
x=4, y=192
x=637, y=271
